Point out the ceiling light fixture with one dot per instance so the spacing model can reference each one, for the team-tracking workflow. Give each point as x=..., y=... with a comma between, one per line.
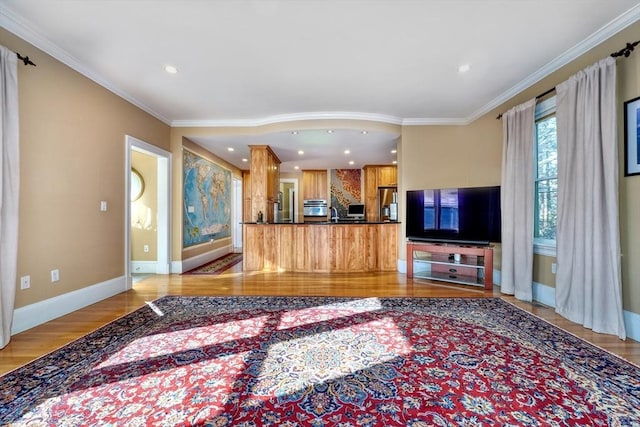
x=351, y=162
x=296, y=167
x=394, y=151
x=364, y=132
x=300, y=152
x=347, y=151
x=245, y=160
x=295, y=132
x=395, y=162
x=464, y=68
x=170, y=69
x=330, y=131
x=230, y=149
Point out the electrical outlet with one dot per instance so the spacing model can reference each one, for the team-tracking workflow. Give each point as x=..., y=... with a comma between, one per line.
x=55, y=275
x=25, y=282
x=145, y=248
x=554, y=268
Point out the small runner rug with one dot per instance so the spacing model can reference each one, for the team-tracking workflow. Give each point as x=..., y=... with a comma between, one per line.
x=219, y=265
x=263, y=361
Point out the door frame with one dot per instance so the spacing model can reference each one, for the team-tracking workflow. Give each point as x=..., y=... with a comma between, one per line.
x=164, y=157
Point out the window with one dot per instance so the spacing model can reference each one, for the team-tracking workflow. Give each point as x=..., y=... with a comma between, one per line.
x=546, y=178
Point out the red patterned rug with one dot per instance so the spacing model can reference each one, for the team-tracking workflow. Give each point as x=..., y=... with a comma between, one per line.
x=262, y=361
x=219, y=265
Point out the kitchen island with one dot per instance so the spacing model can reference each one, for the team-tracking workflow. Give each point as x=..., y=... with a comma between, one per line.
x=321, y=247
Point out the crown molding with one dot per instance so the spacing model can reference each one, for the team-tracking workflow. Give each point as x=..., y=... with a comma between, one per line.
x=20, y=28
x=294, y=117
x=608, y=30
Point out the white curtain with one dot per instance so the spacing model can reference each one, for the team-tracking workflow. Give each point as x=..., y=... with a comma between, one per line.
x=9, y=180
x=588, y=284
x=517, y=201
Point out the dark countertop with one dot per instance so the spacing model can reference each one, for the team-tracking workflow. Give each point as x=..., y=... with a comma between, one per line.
x=344, y=222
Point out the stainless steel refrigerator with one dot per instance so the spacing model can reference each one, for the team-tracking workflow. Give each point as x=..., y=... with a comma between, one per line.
x=387, y=204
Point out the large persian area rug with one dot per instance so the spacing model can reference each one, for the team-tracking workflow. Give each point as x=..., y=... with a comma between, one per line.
x=262, y=361
x=217, y=266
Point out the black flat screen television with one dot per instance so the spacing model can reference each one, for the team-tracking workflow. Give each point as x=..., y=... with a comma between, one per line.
x=454, y=215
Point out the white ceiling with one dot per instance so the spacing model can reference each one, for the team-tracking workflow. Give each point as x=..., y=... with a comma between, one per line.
x=254, y=62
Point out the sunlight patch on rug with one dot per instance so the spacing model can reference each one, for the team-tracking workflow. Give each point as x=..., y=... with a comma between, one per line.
x=294, y=365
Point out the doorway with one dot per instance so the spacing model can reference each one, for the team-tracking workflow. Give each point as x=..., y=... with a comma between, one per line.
x=289, y=205
x=156, y=217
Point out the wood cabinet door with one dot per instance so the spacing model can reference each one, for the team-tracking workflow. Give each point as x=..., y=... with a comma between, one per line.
x=387, y=176
x=387, y=247
x=314, y=184
x=253, y=247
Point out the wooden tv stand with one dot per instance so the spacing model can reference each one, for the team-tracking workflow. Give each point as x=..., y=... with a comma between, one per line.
x=438, y=261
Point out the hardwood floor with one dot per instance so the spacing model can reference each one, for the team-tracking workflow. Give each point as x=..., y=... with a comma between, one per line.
x=38, y=341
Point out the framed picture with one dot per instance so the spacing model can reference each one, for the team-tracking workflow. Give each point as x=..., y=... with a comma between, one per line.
x=632, y=137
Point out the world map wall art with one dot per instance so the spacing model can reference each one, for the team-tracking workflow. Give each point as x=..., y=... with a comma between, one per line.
x=206, y=200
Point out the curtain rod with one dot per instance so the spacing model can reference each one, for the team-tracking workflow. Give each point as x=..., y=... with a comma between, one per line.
x=25, y=59
x=626, y=51
x=545, y=93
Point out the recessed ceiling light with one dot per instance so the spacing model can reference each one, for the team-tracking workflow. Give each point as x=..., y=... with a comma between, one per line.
x=300, y=152
x=395, y=162
x=230, y=149
x=394, y=151
x=351, y=162
x=295, y=132
x=296, y=167
x=364, y=132
x=347, y=151
x=330, y=131
x=170, y=69
x=464, y=68
x=245, y=160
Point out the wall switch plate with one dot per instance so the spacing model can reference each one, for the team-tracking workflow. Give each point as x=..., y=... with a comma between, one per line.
x=55, y=275
x=554, y=268
x=103, y=205
x=25, y=282
x=145, y=248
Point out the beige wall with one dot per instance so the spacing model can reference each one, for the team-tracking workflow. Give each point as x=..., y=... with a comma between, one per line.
x=437, y=156
x=144, y=211
x=72, y=156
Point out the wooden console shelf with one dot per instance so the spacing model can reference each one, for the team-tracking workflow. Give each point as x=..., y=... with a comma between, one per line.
x=467, y=265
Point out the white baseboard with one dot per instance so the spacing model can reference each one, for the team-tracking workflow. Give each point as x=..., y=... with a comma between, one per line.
x=144, y=267
x=40, y=312
x=179, y=267
x=547, y=296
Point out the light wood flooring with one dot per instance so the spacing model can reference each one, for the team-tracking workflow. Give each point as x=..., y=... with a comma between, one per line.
x=38, y=341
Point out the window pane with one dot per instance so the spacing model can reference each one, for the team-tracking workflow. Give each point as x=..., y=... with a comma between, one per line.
x=547, y=148
x=546, y=208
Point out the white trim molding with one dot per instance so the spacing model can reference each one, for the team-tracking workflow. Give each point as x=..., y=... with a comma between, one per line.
x=40, y=312
x=180, y=267
x=145, y=267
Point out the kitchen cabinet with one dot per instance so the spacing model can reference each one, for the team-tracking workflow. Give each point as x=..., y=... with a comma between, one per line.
x=264, y=181
x=314, y=185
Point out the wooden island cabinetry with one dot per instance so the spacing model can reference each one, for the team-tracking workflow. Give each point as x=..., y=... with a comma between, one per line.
x=320, y=248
